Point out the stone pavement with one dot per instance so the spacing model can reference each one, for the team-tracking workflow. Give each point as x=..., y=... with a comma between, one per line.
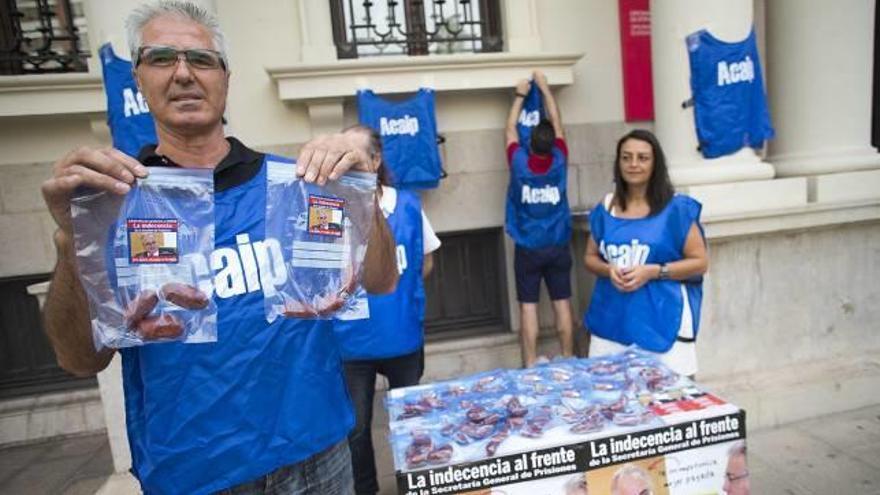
x=837, y=454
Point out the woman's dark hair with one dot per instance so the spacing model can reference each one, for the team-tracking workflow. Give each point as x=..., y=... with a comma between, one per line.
x=660, y=189
x=375, y=150
x=542, y=138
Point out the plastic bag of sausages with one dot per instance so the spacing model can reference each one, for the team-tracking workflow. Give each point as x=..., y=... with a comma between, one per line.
x=322, y=231
x=143, y=259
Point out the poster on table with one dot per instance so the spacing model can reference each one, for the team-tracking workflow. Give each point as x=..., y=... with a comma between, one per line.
x=623, y=424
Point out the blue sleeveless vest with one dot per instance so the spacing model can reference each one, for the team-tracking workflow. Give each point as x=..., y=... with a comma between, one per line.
x=537, y=205
x=395, y=324
x=730, y=106
x=531, y=114
x=204, y=417
x=409, y=136
x=129, y=119
x=650, y=316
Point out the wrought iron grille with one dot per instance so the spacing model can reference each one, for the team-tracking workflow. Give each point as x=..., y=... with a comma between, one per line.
x=41, y=36
x=415, y=27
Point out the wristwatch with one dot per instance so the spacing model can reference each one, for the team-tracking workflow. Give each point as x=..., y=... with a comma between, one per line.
x=664, y=272
x=517, y=93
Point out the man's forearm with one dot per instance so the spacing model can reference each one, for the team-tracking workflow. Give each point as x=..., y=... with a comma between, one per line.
x=513, y=116
x=552, y=111
x=66, y=316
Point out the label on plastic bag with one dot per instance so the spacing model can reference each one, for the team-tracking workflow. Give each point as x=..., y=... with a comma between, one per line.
x=152, y=240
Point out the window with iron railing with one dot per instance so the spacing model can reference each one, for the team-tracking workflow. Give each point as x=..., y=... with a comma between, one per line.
x=415, y=27
x=42, y=36
x=465, y=290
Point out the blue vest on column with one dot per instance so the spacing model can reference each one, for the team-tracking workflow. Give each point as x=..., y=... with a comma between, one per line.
x=537, y=205
x=204, y=417
x=129, y=119
x=730, y=106
x=531, y=114
x=650, y=316
x=409, y=136
x=395, y=324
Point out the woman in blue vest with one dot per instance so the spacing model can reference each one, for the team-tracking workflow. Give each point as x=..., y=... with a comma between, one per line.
x=391, y=341
x=648, y=251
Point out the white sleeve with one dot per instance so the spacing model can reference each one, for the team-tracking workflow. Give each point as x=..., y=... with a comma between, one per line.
x=430, y=241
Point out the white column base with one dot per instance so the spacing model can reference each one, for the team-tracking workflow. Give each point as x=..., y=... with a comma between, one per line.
x=845, y=187
x=826, y=161
x=743, y=165
x=326, y=117
x=736, y=198
x=113, y=399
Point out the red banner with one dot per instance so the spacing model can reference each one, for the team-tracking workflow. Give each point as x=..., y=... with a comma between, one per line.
x=635, y=52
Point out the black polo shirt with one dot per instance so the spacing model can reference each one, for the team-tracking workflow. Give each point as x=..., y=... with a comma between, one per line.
x=240, y=165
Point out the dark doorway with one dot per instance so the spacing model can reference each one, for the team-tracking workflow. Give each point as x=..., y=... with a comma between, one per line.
x=27, y=362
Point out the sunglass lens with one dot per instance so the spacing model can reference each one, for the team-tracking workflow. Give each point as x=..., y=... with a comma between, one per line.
x=160, y=56
x=203, y=59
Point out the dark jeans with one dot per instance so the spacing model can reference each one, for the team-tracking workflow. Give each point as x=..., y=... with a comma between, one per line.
x=327, y=472
x=401, y=371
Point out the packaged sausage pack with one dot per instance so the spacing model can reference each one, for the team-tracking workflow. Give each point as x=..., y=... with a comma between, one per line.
x=144, y=259
x=323, y=234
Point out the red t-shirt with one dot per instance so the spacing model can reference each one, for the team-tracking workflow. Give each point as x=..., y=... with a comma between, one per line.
x=538, y=164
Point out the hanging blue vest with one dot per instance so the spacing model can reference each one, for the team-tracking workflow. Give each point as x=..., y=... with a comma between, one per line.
x=730, y=106
x=531, y=114
x=394, y=327
x=409, y=136
x=204, y=417
x=650, y=316
x=537, y=205
x=129, y=119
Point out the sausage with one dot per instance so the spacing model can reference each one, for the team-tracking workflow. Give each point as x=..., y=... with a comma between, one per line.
x=185, y=296
x=297, y=309
x=140, y=307
x=160, y=327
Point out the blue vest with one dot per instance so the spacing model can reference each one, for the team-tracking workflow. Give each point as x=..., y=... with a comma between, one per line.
x=730, y=107
x=650, y=316
x=395, y=324
x=537, y=205
x=129, y=119
x=204, y=417
x=409, y=136
x=531, y=114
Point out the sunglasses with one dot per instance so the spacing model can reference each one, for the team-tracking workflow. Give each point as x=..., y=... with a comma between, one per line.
x=166, y=56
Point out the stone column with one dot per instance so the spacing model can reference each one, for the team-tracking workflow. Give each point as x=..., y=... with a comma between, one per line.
x=671, y=22
x=819, y=74
x=316, y=31
x=719, y=183
x=521, y=26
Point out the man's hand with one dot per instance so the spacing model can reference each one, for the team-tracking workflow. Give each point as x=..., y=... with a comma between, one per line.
x=540, y=79
x=103, y=169
x=522, y=87
x=328, y=156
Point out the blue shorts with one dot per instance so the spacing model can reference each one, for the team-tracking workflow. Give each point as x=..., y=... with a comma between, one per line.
x=553, y=264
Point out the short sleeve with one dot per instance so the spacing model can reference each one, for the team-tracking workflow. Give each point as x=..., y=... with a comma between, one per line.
x=430, y=241
x=511, y=149
x=560, y=143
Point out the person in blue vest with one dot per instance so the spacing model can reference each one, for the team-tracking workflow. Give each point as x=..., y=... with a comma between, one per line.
x=265, y=408
x=539, y=220
x=648, y=250
x=391, y=341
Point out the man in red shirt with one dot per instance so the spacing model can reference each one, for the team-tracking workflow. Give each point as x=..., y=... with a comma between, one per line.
x=539, y=220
